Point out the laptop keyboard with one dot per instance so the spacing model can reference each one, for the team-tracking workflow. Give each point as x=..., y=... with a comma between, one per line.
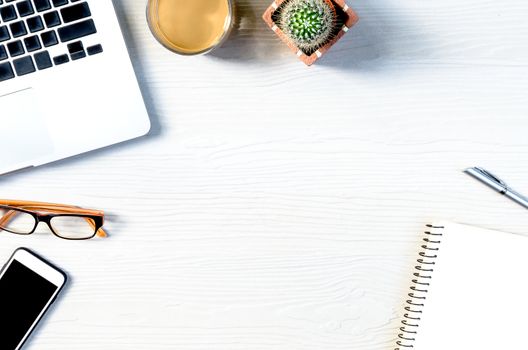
x=28, y=28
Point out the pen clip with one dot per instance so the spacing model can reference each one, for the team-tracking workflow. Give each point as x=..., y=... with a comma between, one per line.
x=492, y=177
x=497, y=184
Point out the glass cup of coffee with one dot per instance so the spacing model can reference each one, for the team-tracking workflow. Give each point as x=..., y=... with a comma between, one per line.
x=190, y=27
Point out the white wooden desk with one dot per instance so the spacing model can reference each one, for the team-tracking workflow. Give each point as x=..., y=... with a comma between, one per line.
x=277, y=206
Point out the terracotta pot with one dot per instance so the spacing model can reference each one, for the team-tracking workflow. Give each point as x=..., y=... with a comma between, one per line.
x=347, y=15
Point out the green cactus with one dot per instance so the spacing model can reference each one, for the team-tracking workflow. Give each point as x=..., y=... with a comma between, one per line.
x=308, y=23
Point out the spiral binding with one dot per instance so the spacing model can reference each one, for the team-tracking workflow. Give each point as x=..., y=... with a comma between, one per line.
x=419, y=289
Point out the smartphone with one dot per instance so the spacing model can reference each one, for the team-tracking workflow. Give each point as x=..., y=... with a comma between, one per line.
x=28, y=287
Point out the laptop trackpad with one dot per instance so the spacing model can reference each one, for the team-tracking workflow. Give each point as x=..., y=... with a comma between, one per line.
x=24, y=133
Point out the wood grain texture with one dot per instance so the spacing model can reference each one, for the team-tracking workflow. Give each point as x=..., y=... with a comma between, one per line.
x=277, y=206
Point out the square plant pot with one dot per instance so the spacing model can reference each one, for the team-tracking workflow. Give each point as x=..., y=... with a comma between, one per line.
x=346, y=19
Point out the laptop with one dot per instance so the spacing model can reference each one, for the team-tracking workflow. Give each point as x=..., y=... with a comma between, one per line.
x=67, y=85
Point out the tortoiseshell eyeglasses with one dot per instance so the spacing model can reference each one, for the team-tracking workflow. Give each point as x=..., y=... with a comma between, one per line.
x=65, y=221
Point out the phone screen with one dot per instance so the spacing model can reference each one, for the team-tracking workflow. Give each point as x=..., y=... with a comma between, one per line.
x=23, y=296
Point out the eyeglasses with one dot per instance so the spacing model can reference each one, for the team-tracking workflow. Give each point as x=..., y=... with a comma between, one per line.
x=65, y=221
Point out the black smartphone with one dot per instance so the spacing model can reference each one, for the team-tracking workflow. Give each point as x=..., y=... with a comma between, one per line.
x=28, y=287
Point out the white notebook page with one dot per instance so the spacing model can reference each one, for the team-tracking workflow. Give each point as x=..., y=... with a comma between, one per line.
x=478, y=297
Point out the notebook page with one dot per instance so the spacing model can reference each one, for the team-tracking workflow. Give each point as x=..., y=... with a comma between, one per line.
x=478, y=297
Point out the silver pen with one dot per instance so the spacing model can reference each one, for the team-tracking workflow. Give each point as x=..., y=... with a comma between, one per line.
x=497, y=184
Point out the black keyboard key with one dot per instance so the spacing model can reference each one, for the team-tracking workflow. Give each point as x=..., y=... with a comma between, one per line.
x=15, y=48
x=75, y=47
x=18, y=29
x=52, y=19
x=43, y=60
x=24, y=65
x=75, y=12
x=6, y=71
x=35, y=24
x=3, y=53
x=77, y=30
x=42, y=5
x=4, y=34
x=76, y=50
x=8, y=13
x=61, y=59
x=49, y=38
x=78, y=55
x=94, y=50
x=58, y=3
x=25, y=8
x=32, y=43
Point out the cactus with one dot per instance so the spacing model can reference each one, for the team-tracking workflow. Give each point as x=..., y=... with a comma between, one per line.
x=309, y=24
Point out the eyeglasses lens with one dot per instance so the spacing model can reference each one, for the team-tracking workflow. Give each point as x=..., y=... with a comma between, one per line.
x=16, y=221
x=73, y=227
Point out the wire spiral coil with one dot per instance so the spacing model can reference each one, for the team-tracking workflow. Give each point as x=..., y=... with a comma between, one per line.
x=419, y=287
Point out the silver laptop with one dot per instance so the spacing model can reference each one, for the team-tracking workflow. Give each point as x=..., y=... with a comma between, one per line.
x=67, y=85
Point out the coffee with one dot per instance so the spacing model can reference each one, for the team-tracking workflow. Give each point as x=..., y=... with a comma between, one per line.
x=190, y=26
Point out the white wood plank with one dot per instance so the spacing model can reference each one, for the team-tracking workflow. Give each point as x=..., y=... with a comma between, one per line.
x=277, y=206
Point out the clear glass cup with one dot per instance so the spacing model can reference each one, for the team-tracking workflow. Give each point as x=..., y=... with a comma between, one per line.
x=175, y=30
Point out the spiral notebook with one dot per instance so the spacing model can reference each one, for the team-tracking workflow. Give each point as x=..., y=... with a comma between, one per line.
x=469, y=290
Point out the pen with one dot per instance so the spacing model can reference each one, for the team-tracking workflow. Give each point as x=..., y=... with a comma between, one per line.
x=497, y=184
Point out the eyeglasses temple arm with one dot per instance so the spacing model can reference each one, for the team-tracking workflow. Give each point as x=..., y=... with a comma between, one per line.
x=101, y=232
x=61, y=207
x=5, y=219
